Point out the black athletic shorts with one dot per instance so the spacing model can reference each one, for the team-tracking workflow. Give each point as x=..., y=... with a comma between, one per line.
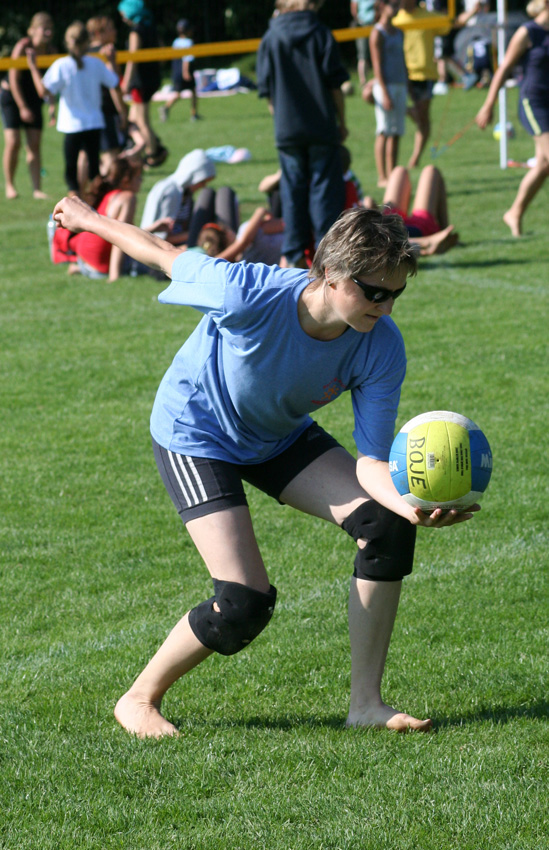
x=199, y=486
x=11, y=118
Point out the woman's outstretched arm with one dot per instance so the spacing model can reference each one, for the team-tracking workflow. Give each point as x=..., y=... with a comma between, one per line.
x=77, y=216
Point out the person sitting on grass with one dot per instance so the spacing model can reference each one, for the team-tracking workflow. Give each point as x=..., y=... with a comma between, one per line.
x=275, y=345
x=172, y=197
x=114, y=196
x=214, y=228
x=428, y=225
x=259, y=240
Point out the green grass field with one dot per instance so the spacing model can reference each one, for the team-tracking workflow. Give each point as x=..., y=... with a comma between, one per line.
x=96, y=567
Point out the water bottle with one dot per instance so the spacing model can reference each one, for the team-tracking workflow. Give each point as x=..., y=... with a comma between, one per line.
x=52, y=227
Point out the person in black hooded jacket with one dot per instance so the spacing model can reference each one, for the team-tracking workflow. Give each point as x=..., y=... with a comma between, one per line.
x=300, y=70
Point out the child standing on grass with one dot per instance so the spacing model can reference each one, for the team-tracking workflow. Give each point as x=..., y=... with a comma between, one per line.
x=77, y=79
x=273, y=346
x=21, y=107
x=182, y=73
x=390, y=87
x=419, y=52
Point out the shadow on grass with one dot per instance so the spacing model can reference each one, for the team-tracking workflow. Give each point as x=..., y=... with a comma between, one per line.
x=282, y=723
x=435, y=263
x=497, y=715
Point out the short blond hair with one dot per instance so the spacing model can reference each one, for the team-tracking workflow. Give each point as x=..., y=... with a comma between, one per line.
x=364, y=242
x=40, y=19
x=535, y=8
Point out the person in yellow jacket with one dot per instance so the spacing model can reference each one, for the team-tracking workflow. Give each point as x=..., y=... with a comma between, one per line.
x=419, y=54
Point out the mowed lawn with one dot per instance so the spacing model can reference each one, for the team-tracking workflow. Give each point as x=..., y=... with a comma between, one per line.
x=96, y=567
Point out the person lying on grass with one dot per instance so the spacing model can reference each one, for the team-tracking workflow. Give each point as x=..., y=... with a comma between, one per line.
x=275, y=345
x=428, y=224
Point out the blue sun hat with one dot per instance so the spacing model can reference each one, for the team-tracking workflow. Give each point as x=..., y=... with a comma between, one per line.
x=135, y=11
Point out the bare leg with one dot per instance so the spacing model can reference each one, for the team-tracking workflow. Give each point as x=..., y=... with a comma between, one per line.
x=399, y=189
x=34, y=161
x=227, y=544
x=329, y=489
x=194, y=104
x=138, y=711
x=421, y=115
x=372, y=612
x=437, y=243
x=12, y=146
x=530, y=185
x=82, y=170
x=391, y=154
x=431, y=195
x=165, y=109
x=361, y=71
x=139, y=114
x=380, y=146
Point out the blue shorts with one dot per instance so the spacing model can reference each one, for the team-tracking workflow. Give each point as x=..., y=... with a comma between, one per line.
x=534, y=116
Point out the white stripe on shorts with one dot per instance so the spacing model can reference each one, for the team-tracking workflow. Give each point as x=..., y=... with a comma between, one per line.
x=188, y=488
x=172, y=458
x=197, y=478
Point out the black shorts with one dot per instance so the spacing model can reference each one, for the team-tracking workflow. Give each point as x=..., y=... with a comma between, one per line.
x=420, y=90
x=112, y=136
x=179, y=83
x=11, y=119
x=199, y=486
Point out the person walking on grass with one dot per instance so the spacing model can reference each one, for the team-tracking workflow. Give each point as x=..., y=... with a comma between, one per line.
x=21, y=107
x=529, y=47
x=273, y=346
x=182, y=73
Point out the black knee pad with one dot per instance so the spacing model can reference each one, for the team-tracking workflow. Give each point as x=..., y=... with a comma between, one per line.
x=243, y=614
x=389, y=551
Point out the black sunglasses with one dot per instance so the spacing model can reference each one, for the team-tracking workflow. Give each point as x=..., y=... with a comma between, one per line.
x=378, y=294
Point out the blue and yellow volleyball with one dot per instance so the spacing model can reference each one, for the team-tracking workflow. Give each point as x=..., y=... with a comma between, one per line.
x=441, y=459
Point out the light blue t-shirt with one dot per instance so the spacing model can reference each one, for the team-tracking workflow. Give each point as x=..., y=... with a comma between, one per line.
x=242, y=386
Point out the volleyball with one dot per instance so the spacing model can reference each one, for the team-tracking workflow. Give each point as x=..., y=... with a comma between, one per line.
x=440, y=459
x=510, y=131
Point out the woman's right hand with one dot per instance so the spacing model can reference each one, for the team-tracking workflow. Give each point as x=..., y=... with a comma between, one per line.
x=74, y=214
x=30, y=53
x=484, y=116
x=26, y=114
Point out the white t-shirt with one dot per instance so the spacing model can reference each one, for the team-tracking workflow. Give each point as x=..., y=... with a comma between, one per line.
x=79, y=92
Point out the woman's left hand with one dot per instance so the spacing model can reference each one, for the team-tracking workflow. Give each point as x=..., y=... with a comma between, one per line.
x=440, y=518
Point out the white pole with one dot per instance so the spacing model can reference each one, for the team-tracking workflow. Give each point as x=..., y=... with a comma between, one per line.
x=502, y=97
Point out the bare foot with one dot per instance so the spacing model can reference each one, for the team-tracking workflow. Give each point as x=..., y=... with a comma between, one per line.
x=39, y=195
x=382, y=183
x=439, y=243
x=513, y=223
x=72, y=269
x=11, y=193
x=142, y=718
x=385, y=717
